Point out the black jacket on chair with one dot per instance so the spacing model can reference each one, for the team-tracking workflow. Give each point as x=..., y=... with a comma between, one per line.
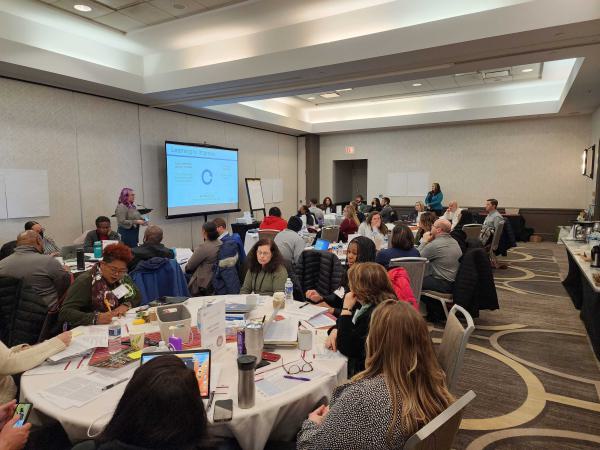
x=22, y=313
x=474, y=287
x=319, y=270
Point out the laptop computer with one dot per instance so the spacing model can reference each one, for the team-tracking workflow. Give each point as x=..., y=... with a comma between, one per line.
x=321, y=244
x=198, y=360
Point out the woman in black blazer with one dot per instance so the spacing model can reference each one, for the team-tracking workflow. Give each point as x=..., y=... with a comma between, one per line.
x=369, y=286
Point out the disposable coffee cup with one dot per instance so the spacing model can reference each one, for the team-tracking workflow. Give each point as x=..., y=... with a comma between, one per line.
x=252, y=299
x=136, y=339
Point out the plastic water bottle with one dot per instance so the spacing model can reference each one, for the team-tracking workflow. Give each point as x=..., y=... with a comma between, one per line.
x=114, y=336
x=289, y=291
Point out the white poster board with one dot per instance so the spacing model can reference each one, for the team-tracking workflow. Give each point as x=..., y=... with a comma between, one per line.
x=408, y=184
x=255, y=194
x=267, y=190
x=25, y=193
x=277, y=190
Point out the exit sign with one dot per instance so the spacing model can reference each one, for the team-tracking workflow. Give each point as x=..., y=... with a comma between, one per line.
x=350, y=150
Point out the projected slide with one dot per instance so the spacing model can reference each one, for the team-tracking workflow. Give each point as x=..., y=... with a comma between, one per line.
x=200, y=179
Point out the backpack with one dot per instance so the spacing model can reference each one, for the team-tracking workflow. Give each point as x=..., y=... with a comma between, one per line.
x=226, y=279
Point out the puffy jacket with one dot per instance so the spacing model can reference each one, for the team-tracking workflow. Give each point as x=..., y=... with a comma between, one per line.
x=401, y=283
x=474, y=287
x=226, y=279
x=238, y=240
x=157, y=277
x=273, y=223
x=319, y=270
x=22, y=313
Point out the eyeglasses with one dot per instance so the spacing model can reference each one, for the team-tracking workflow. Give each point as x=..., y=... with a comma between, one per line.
x=115, y=271
x=297, y=368
x=263, y=253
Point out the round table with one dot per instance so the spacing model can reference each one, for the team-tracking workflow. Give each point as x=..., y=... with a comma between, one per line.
x=277, y=417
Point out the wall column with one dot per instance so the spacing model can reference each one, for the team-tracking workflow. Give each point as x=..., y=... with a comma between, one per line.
x=313, y=166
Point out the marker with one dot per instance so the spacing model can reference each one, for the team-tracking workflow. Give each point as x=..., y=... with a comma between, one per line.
x=107, y=305
x=305, y=304
x=290, y=377
x=112, y=385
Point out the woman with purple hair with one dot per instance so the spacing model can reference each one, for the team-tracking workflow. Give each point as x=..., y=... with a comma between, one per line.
x=128, y=218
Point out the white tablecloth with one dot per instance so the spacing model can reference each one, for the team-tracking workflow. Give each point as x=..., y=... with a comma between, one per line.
x=249, y=240
x=278, y=417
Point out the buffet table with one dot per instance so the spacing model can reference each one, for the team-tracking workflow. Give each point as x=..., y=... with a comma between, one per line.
x=276, y=416
x=584, y=293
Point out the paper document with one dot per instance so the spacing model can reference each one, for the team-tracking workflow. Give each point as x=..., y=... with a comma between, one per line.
x=183, y=255
x=322, y=320
x=76, y=348
x=281, y=332
x=80, y=364
x=277, y=384
x=304, y=310
x=95, y=335
x=76, y=391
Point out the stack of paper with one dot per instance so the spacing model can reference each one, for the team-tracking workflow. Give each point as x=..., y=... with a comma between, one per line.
x=282, y=332
x=278, y=383
x=84, y=340
x=76, y=391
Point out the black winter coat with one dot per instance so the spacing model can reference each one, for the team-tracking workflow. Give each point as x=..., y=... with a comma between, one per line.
x=319, y=270
x=474, y=287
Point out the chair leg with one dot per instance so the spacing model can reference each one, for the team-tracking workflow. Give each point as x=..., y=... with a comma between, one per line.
x=444, y=307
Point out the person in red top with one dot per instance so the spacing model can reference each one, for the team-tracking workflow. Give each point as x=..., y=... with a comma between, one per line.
x=350, y=223
x=273, y=221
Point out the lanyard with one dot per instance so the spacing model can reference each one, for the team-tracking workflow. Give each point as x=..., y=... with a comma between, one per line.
x=261, y=282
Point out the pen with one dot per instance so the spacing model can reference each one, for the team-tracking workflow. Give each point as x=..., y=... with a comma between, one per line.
x=290, y=377
x=264, y=317
x=107, y=305
x=210, y=400
x=305, y=304
x=112, y=385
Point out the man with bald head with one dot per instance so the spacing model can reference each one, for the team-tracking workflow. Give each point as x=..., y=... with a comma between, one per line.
x=42, y=273
x=452, y=214
x=443, y=253
x=151, y=248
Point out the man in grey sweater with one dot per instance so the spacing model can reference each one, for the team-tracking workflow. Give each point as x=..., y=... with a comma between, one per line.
x=443, y=253
x=289, y=242
x=42, y=273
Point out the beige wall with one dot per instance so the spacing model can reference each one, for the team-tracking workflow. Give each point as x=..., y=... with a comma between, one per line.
x=523, y=163
x=595, y=140
x=92, y=147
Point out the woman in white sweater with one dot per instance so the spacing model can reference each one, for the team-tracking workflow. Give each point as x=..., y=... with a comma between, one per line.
x=374, y=229
x=20, y=358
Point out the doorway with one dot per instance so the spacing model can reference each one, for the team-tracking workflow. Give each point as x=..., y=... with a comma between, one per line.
x=349, y=179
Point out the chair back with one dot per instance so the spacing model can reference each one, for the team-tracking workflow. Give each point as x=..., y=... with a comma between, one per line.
x=472, y=230
x=454, y=343
x=319, y=270
x=331, y=234
x=9, y=296
x=267, y=234
x=70, y=251
x=496, y=239
x=80, y=240
x=440, y=432
x=416, y=271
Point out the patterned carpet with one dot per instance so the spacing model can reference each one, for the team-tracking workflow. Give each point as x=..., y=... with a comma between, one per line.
x=530, y=363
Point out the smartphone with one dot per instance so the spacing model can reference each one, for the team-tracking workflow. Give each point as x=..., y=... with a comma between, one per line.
x=22, y=412
x=271, y=357
x=223, y=411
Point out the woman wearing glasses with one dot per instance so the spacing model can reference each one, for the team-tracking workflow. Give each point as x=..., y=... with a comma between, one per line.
x=369, y=286
x=401, y=389
x=266, y=272
x=103, y=292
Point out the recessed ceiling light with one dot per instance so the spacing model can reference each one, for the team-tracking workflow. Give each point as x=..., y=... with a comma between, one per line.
x=343, y=90
x=527, y=70
x=330, y=95
x=82, y=8
x=310, y=98
x=417, y=84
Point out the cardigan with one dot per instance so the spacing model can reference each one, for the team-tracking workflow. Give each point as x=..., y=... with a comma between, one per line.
x=92, y=236
x=348, y=226
x=359, y=416
x=265, y=283
x=201, y=265
x=126, y=216
x=77, y=308
x=21, y=358
x=434, y=201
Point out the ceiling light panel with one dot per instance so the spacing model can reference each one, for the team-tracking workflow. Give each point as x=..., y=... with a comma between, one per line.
x=468, y=79
x=179, y=7
x=329, y=95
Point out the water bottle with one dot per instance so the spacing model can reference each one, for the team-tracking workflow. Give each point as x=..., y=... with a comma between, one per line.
x=114, y=336
x=98, y=249
x=289, y=291
x=246, y=387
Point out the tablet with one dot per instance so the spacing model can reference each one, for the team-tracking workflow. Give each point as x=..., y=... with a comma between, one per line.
x=197, y=360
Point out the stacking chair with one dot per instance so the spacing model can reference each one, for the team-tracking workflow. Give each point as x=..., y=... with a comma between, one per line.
x=472, y=230
x=267, y=234
x=416, y=271
x=440, y=432
x=331, y=234
x=451, y=351
x=495, y=242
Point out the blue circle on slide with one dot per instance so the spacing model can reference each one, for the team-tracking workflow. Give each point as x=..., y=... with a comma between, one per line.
x=210, y=176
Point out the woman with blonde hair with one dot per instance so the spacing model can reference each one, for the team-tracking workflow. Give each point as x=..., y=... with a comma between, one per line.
x=350, y=223
x=401, y=389
x=369, y=286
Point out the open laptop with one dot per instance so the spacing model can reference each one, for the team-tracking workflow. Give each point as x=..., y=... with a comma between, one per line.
x=198, y=360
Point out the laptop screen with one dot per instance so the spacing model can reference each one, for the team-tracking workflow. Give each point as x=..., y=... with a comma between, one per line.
x=321, y=244
x=197, y=360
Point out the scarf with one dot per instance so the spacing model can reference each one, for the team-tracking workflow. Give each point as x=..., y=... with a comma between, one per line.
x=102, y=291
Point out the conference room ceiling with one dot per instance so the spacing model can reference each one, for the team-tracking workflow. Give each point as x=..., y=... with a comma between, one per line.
x=129, y=15
x=258, y=62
